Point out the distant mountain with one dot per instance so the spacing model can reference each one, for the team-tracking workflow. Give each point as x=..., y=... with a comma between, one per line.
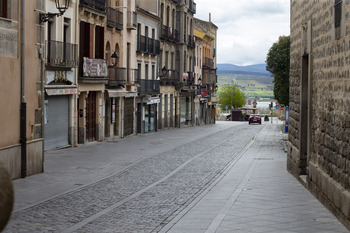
x=256, y=70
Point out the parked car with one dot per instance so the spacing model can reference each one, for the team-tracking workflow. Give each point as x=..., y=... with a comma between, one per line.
x=254, y=118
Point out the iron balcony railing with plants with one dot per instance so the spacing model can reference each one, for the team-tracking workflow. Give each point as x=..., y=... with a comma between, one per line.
x=99, y=5
x=114, y=18
x=149, y=86
x=61, y=54
x=116, y=76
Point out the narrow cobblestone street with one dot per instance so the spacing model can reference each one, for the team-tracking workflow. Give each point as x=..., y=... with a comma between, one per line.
x=163, y=174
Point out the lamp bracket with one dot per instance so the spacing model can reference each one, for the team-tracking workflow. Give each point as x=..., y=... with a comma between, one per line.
x=44, y=17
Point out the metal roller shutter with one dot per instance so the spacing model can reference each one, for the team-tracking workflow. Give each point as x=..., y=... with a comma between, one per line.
x=57, y=122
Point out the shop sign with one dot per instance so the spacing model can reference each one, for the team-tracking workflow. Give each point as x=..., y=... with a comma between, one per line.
x=61, y=91
x=53, y=77
x=95, y=67
x=204, y=93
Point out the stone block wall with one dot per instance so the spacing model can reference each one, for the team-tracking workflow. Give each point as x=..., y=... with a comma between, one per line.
x=327, y=162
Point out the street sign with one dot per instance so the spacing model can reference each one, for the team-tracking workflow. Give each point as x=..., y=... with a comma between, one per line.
x=277, y=107
x=226, y=107
x=286, y=124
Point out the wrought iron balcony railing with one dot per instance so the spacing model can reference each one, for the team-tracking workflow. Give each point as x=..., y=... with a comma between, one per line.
x=170, y=34
x=60, y=54
x=99, y=5
x=208, y=62
x=148, y=45
x=191, y=41
x=116, y=76
x=149, y=86
x=114, y=18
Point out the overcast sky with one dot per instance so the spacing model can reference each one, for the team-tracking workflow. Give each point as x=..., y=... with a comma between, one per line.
x=247, y=28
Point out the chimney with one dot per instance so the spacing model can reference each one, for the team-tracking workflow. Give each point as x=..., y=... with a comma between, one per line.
x=209, y=17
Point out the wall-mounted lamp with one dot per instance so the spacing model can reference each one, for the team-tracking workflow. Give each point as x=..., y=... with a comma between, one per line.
x=115, y=58
x=61, y=5
x=199, y=79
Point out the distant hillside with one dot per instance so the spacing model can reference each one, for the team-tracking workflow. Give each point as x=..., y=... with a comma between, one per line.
x=255, y=70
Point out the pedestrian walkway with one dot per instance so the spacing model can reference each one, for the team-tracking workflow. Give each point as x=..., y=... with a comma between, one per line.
x=257, y=194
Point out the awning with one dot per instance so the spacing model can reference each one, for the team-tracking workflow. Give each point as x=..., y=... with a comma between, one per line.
x=113, y=93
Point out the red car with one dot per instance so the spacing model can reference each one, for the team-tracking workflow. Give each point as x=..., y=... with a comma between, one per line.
x=254, y=119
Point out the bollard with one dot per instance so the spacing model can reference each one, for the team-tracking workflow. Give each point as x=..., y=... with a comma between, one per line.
x=6, y=196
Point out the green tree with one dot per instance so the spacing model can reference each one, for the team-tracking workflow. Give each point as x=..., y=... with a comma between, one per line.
x=278, y=61
x=231, y=95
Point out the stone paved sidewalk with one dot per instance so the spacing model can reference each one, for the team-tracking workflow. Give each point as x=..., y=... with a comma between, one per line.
x=257, y=195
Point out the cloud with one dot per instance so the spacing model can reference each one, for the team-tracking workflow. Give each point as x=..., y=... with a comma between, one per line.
x=247, y=28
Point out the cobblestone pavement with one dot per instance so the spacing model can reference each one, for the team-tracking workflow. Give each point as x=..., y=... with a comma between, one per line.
x=144, y=197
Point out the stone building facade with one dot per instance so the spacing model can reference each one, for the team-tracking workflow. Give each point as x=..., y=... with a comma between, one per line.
x=206, y=31
x=21, y=92
x=319, y=124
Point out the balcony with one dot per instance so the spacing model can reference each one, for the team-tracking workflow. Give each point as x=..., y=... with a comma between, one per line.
x=132, y=20
x=148, y=45
x=170, y=34
x=98, y=5
x=60, y=54
x=208, y=62
x=192, y=6
x=171, y=79
x=116, y=76
x=114, y=18
x=149, y=86
x=165, y=32
x=191, y=41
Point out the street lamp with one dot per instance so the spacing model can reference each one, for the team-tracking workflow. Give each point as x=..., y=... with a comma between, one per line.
x=164, y=72
x=115, y=58
x=61, y=5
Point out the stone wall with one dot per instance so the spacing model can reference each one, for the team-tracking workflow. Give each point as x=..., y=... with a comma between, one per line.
x=326, y=136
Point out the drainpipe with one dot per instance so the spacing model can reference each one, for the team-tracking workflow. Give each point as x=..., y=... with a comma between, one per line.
x=23, y=110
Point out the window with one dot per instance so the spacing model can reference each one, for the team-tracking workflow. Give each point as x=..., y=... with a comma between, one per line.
x=3, y=8
x=146, y=71
x=337, y=17
x=337, y=14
